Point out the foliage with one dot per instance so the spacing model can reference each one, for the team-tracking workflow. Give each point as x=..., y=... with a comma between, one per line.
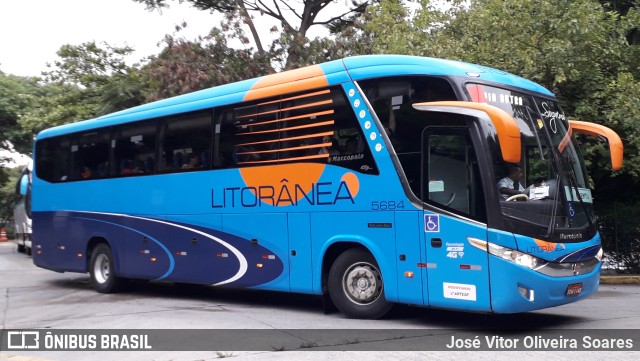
x=87, y=81
x=619, y=227
x=101, y=74
x=57, y=104
x=294, y=18
x=394, y=28
x=184, y=66
x=587, y=52
x=574, y=47
x=17, y=95
x=8, y=196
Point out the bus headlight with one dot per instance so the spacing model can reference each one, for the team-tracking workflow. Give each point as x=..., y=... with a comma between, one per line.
x=522, y=259
x=600, y=254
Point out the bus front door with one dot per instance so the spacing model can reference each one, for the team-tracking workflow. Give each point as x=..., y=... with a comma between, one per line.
x=457, y=272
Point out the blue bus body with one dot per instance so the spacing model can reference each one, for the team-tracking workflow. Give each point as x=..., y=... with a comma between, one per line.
x=281, y=225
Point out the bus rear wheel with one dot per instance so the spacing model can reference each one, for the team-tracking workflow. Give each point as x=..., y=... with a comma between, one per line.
x=102, y=270
x=356, y=286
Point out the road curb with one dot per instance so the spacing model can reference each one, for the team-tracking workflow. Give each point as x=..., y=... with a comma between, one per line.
x=620, y=279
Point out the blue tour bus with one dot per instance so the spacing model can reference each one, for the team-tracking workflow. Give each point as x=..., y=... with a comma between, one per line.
x=371, y=179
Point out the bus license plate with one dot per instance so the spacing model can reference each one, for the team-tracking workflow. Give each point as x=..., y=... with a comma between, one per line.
x=574, y=289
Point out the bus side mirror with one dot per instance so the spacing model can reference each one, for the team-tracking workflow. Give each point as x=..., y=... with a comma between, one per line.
x=24, y=184
x=504, y=124
x=596, y=130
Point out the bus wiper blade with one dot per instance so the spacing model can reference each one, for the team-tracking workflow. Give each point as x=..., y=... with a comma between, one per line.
x=554, y=209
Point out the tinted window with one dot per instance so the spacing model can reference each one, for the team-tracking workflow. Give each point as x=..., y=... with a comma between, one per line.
x=392, y=100
x=134, y=149
x=90, y=152
x=53, y=159
x=185, y=143
x=317, y=126
x=451, y=174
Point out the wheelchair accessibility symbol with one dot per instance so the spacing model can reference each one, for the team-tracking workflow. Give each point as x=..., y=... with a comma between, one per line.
x=432, y=223
x=572, y=212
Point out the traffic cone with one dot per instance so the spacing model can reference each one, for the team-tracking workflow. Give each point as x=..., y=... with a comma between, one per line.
x=3, y=235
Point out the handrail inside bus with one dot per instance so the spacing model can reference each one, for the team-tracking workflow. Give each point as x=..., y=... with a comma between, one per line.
x=506, y=127
x=596, y=130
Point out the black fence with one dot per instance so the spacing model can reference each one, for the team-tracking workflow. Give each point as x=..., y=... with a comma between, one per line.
x=619, y=226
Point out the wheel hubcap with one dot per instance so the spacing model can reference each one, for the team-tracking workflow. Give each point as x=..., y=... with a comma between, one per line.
x=101, y=269
x=362, y=283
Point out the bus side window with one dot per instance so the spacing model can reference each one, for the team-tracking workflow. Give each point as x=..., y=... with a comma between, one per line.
x=185, y=142
x=350, y=147
x=53, y=159
x=317, y=126
x=451, y=174
x=131, y=147
x=90, y=155
x=392, y=99
x=224, y=152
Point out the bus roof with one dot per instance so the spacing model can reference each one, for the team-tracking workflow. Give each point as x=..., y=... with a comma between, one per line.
x=330, y=73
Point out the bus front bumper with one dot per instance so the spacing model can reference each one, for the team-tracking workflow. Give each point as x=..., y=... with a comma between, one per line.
x=518, y=289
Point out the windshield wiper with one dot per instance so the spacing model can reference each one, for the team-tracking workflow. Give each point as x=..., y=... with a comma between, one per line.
x=554, y=209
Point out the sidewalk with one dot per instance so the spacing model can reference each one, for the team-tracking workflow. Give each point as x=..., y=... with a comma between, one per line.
x=620, y=279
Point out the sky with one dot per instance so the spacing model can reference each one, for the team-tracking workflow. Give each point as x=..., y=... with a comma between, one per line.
x=31, y=31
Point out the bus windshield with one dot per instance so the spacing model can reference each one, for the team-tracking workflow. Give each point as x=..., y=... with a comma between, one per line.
x=549, y=187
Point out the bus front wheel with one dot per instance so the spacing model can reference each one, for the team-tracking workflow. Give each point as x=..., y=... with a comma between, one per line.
x=102, y=270
x=356, y=286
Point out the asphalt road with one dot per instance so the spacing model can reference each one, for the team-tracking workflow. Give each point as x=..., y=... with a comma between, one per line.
x=35, y=298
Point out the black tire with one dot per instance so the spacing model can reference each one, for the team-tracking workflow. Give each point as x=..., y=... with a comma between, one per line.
x=356, y=286
x=102, y=270
x=22, y=248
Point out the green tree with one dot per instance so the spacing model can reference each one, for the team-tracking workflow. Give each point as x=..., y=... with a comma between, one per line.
x=86, y=81
x=56, y=104
x=294, y=19
x=17, y=94
x=8, y=196
x=585, y=51
x=576, y=48
x=101, y=73
x=188, y=65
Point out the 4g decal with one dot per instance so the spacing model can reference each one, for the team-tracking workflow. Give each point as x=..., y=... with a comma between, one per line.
x=455, y=250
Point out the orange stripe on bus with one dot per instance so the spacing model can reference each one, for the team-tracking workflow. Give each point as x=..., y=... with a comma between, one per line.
x=318, y=156
x=303, y=175
x=307, y=78
x=548, y=246
x=310, y=115
x=297, y=97
x=312, y=125
x=286, y=109
x=309, y=136
x=291, y=148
